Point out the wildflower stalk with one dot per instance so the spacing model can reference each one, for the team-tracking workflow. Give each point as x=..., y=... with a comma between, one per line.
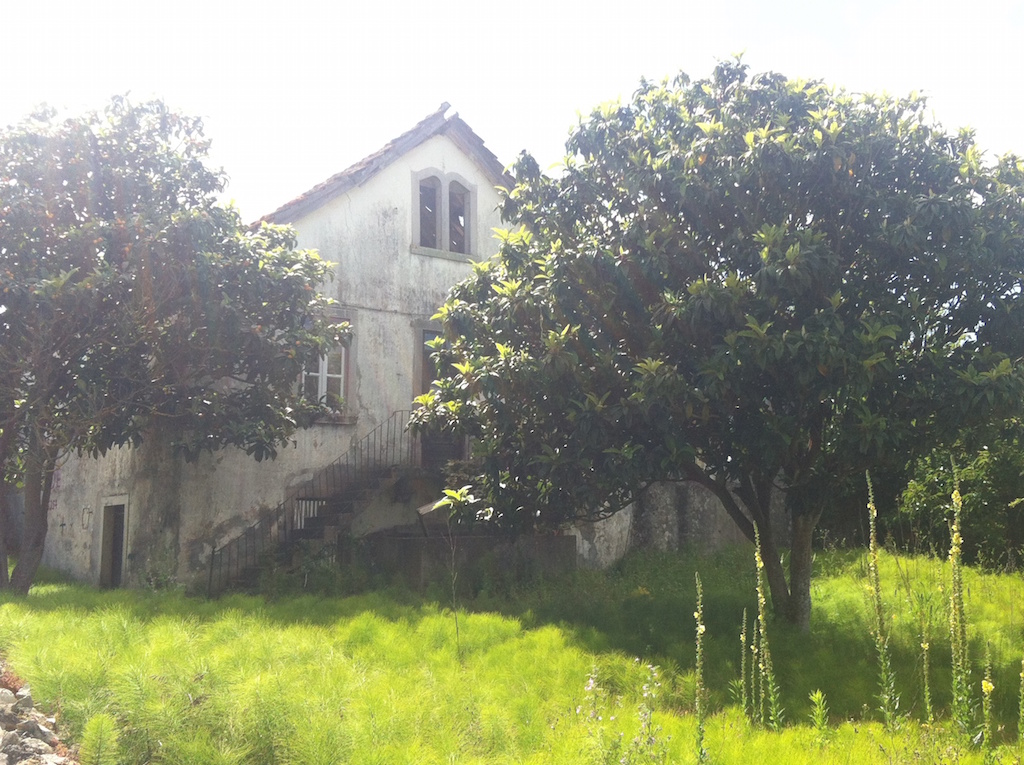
x=757, y=711
x=961, y=702
x=769, y=688
x=987, y=733
x=647, y=745
x=888, y=700
x=929, y=714
x=819, y=713
x=744, y=686
x=700, y=703
x=1020, y=706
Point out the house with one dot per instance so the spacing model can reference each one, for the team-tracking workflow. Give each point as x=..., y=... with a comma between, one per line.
x=402, y=227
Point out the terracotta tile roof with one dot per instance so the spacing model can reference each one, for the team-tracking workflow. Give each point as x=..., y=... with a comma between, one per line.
x=434, y=124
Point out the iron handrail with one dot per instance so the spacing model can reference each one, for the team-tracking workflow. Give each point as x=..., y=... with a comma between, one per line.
x=388, y=445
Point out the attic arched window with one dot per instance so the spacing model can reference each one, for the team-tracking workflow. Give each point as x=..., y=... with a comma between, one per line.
x=458, y=217
x=430, y=212
x=444, y=218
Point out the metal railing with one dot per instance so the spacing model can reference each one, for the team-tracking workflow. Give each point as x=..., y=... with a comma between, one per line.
x=388, y=445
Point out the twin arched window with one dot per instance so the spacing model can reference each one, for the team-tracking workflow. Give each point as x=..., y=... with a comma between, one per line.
x=444, y=214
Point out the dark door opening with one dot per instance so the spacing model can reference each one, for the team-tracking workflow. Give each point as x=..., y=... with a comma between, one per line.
x=112, y=557
x=436, y=449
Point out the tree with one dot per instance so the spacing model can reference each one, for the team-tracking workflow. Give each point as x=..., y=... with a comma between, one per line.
x=755, y=284
x=130, y=300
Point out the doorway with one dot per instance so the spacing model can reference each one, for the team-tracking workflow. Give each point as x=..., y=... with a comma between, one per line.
x=112, y=555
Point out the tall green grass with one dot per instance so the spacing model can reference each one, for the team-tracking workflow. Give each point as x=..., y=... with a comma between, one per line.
x=547, y=674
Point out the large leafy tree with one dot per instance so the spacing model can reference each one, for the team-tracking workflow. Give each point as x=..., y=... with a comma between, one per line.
x=132, y=302
x=753, y=283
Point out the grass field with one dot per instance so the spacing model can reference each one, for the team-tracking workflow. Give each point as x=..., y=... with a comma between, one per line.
x=550, y=672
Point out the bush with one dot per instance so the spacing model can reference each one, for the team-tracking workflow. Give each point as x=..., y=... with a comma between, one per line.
x=991, y=473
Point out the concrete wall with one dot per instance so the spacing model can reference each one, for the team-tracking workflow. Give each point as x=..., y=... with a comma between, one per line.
x=387, y=287
x=668, y=517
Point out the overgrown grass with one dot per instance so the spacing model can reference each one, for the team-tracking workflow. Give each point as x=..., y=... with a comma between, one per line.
x=379, y=677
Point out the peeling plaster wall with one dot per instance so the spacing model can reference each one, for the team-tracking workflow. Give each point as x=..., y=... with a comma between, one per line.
x=145, y=481
x=15, y=518
x=668, y=517
x=386, y=287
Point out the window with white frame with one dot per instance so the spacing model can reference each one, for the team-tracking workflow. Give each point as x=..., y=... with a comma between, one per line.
x=326, y=381
x=444, y=213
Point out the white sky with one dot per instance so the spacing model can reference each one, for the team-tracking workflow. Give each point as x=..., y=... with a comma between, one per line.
x=293, y=92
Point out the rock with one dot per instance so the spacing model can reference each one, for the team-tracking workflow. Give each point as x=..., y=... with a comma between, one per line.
x=28, y=747
x=27, y=735
x=32, y=728
x=24, y=703
x=8, y=719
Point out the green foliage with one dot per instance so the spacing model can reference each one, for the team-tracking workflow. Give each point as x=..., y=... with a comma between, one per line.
x=990, y=471
x=132, y=300
x=819, y=713
x=742, y=280
x=99, y=741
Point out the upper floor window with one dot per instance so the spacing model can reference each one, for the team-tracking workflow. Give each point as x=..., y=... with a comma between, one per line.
x=326, y=381
x=444, y=215
x=430, y=212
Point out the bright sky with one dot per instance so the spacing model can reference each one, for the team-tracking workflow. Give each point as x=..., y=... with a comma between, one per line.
x=292, y=92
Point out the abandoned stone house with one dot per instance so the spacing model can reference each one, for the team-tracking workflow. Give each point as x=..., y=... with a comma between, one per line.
x=401, y=227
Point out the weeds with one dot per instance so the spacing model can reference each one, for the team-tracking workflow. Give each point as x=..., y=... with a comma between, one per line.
x=647, y=745
x=888, y=699
x=987, y=731
x=100, y=741
x=926, y=691
x=767, y=687
x=700, y=696
x=378, y=678
x=819, y=714
x=744, y=685
x=1020, y=707
x=960, y=706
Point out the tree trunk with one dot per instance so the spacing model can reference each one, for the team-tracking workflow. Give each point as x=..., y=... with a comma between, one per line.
x=774, y=571
x=5, y=509
x=5, y=525
x=757, y=500
x=801, y=563
x=38, y=483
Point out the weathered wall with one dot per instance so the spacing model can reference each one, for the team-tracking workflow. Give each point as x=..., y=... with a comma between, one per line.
x=668, y=517
x=145, y=481
x=12, y=529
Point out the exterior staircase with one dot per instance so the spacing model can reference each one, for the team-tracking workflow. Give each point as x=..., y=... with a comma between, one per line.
x=320, y=510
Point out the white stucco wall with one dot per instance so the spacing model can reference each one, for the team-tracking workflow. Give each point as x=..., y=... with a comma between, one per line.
x=385, y=286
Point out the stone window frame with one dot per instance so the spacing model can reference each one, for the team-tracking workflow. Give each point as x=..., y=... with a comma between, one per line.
x=420, y=328
x=443, y=182
x=346, y=415
x=323, y=375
